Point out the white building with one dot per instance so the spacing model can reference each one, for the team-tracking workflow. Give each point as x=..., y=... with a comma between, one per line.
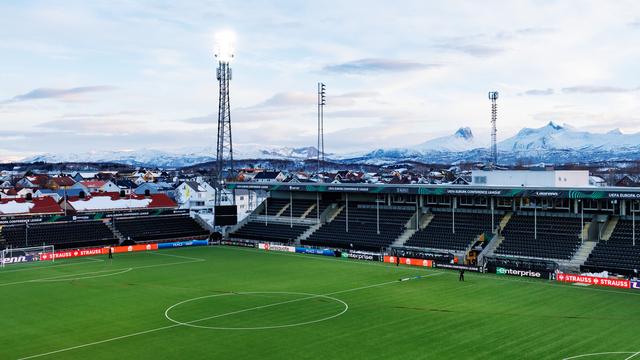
x=195, y=196
x=100, y=186
x=541, y=178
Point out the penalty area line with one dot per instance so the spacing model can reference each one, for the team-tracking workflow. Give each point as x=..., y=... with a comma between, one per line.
x=633, y=354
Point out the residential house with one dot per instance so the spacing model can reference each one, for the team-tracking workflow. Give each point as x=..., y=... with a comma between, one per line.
x=47, y=192
x=126, y=185
x=270, y=176
x=60, y=182
x=195, y=196
x=100, y=186
x=147, y=188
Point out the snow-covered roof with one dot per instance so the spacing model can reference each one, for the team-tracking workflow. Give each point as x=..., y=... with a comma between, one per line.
x=104, y=202
x=93, y=183
x=113, y=201
x=43, y=205
x=14, y=207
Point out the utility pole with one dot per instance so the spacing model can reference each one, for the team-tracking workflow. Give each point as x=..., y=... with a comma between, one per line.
x=493, y=96
x=321, y=103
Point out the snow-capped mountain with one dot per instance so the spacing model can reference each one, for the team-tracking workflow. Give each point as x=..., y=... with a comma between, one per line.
x=554, y=136
x=179, y=158
x=461, y=140
x=552, y=143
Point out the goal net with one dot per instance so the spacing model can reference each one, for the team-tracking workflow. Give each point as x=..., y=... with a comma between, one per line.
x=27, y=254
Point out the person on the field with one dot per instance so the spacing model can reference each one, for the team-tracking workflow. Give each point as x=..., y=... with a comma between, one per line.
x=461, y=275
x=110, y=252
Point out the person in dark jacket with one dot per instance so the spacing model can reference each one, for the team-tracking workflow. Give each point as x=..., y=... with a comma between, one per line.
x=461, y=275
x=110, y=252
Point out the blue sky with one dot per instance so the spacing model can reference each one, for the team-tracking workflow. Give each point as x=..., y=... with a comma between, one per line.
x=112, y=75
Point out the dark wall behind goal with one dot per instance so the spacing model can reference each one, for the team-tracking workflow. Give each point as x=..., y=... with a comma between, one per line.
x=226, y=215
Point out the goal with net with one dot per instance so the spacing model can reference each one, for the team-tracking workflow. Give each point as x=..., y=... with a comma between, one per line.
x=10, y=256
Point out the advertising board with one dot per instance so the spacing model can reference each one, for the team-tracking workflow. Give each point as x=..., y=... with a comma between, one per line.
x=593, y=280
x=409, y=261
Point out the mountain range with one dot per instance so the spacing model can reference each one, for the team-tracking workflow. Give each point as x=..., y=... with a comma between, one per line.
x=552, y=144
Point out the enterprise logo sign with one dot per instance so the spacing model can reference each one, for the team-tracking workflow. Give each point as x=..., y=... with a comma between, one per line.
x=526, y=273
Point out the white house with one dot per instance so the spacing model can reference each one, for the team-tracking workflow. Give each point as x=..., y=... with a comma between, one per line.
x=46, y=192
x=22, y=193
x=195, y=196
x=269, y=176
x=100, y=186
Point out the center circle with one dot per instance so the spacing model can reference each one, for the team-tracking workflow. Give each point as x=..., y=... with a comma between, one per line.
x=249, y=309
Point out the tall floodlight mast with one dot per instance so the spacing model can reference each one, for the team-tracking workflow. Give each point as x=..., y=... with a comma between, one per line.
x=224, y=53
x=493, y=96
x=321, y=104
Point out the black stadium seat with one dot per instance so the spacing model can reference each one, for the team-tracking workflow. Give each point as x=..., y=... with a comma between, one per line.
x=618, y=254
x=62, y=235
x=159, y=228
x=362, y=234
x=557, y=237
x=439, y=232
x=273, y=232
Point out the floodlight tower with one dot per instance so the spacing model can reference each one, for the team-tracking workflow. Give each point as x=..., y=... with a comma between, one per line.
x=493, y=96
x=321, y=104
x=224, y=53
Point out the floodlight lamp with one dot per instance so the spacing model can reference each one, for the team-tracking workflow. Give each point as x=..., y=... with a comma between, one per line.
x=224, y=48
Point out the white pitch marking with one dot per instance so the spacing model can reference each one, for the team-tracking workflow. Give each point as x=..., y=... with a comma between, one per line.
x=604, y=353
x=632, y=356
x=51, y=266
x=175, y=325
x=308, y=296
x=192, y=260
x=176, y=256
x=68, y=277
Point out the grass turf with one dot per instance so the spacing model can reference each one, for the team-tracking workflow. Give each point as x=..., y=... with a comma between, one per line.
x=100, y=309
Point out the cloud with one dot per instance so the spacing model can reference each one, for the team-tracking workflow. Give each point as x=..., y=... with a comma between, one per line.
x=589, y=89
x=635, y=23
x=477, y=50
x=69, y=94
x=206, y=119
x=286, y=99
x=535, y=30
x=370, y=65
x=537, y=92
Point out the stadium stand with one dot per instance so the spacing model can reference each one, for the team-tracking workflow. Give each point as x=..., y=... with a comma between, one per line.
x=439, y=232
x=274, y=232
x=300, y=207
x=273, y=206
x=522, y=264
x=62, y=235
x=159, y=228
x=323, y=206
x=557, y=237
x=618, y=253
x=362, y=233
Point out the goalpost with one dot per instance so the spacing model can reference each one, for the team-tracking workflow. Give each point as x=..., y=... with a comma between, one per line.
x=10, y=256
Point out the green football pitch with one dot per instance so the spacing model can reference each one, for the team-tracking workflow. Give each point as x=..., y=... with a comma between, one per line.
x=225, y=302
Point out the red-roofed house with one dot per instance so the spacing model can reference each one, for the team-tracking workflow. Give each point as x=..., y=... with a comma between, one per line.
x=100, y=186
x=113, y=201
x=35, y=181
x=37, y=206
x=60, y=182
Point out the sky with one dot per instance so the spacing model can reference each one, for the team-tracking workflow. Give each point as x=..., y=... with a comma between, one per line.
x=83, y=76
